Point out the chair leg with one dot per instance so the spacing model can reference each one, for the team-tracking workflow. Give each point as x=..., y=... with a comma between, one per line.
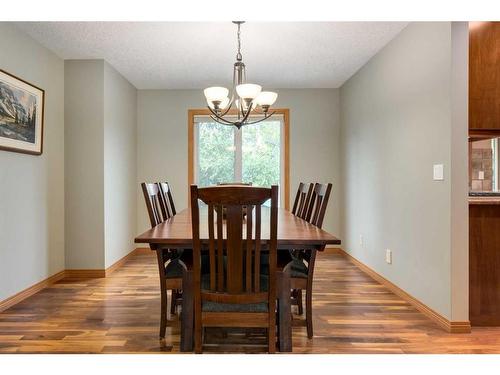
x=163, y=312
x=299, y=302
x=309, y=321
x=271, y=336
x=163, y=292
x=198, y=337
x=187, y=313
x=309, y=290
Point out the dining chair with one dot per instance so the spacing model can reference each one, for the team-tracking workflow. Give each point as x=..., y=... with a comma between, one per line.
x=235, y=292
x=302, y=268
x=168, y=210
x=170, y=266
x=302, y=199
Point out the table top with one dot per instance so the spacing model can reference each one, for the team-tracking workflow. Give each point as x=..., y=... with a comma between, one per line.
x=292, y=230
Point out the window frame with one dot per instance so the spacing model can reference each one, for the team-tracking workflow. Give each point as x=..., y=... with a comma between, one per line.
x=284, y=112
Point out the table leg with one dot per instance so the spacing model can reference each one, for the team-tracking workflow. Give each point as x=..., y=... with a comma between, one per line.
x=187, y=318
x=284, y=311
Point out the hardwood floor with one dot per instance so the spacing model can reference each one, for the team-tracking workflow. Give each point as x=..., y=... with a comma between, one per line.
x=120, y=314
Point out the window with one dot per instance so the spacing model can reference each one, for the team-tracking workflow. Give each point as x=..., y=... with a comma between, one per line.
x=255, y=153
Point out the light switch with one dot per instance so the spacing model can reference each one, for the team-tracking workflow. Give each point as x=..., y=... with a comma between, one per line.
x=438, y=172
x=388, y=256
x=481, y=175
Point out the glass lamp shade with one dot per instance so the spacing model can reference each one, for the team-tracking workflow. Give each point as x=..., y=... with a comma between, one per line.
x=248, y=90
x=223, y=104
x=216, y=94
x=266, y=98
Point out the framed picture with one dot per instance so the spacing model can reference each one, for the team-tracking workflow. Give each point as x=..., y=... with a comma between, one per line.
x=21, y=115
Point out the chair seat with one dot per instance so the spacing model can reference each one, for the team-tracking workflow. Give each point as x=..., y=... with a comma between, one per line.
x=299, y=269
x=209, y=306
x=173, y=269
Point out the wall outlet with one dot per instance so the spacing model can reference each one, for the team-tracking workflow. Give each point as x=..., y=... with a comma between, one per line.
x=361, y=241
x=388, y=256
x=438, y=172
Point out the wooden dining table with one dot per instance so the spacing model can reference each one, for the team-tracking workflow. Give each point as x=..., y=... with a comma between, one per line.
x=293, y=233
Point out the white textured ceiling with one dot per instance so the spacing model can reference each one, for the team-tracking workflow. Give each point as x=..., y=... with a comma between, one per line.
x=175, y=55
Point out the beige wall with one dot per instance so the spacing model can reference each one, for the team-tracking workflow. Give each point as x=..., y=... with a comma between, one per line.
x=120, y=120
x=162, y=142
x=84, y=156
x=32, y=187
x=100, y=107
x=396, y=122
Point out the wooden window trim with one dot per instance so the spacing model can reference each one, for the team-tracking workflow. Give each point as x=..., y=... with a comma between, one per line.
x=285, y=112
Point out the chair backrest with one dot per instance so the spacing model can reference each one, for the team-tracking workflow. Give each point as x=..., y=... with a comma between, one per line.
x=151, y=193
x=234, y=259
x=166, y=201
x=302, y=199
x=318, y=204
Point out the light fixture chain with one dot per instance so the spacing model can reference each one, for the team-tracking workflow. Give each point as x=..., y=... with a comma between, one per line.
x=238, y=55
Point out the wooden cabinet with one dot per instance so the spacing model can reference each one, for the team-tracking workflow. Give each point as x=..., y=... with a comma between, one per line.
x=484, y=261
x=484, y=75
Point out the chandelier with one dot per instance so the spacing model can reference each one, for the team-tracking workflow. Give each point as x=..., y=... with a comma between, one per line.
x=247, y=98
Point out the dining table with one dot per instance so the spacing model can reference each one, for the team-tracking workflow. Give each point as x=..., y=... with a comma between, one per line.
x=293, y=233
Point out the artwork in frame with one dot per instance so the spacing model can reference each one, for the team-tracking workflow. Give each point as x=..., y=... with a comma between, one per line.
x=21, y=115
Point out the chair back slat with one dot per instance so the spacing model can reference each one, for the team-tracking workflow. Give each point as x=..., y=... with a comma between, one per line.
x=302, y=200
x=166, y=200
x=211, y=246
x=257, y=247
x=220, y=251
x=236, y=251
x=318, y=204
x=249, y=249
x=152, y=198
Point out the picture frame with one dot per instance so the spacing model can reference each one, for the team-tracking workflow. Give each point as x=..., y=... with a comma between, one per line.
x=21, y=115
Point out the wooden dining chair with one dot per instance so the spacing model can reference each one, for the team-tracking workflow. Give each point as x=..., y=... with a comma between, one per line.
x=168, y=210
x=170, y=266
x=235, y=292
x=302, y=268
x=302, y=199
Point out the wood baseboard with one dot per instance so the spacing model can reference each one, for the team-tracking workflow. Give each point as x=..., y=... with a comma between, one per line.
x=449, y=326
x=28, y=292
x=69, y=274
x=121, y=261
x=99, y=273
x=332, y=250
x=459, y=327
x=144, y=251
x=84, y=274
